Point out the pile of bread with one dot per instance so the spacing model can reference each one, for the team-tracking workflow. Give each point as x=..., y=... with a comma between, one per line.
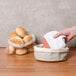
x=20, y=42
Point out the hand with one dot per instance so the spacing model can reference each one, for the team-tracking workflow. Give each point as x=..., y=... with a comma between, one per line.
x=69, y=32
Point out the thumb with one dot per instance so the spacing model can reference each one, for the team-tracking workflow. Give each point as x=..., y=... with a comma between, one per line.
x=70, y=37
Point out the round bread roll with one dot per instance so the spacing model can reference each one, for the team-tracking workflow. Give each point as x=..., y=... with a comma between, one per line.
x=10, y=49
x=21, y=51
x=15, y=38
x=21, y=31
x=14, y=34
x=27, y=38
x=30, y=48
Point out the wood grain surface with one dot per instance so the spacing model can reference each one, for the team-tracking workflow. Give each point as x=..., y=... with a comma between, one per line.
x=27, y=65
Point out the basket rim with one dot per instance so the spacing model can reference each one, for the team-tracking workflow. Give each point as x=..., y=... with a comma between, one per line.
x=40, y=48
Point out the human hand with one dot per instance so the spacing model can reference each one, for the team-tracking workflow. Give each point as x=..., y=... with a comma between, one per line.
x=69, y=32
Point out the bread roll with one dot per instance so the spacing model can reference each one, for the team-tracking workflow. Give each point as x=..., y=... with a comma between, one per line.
x=14, y=34
x=15, y=38
x=21, y=51
x=30, y=48
x=21, y=31
x=27, y=38
x=10, y=49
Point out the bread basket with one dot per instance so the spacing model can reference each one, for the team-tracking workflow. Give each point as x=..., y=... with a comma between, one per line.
x=47, y=54
x=23, y=45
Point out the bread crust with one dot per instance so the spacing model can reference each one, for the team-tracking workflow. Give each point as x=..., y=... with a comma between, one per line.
x=17, y=40
x=21, y=51
x=27, y=38
x=10, y=49
x=21, y=31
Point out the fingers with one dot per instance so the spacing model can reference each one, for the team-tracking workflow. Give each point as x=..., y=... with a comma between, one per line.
x=63, y=32
x=70, y=37
x=58, y=34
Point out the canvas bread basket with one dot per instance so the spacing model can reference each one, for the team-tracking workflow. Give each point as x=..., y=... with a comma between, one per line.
x=47, y=54
x=23, y=45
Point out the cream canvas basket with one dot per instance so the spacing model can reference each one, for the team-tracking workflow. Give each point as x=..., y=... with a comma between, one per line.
x=47, y=54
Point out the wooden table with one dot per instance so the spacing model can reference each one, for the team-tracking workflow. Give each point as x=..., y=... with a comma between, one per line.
x=27, y=65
